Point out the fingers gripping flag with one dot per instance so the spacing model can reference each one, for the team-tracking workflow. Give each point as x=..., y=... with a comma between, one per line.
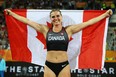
x=85, y=50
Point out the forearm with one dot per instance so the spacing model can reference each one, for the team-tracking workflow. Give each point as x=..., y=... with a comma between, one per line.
x=39, y=27
x=18, y=17
x=92, y=21
x=23, y=19
x=97, y=19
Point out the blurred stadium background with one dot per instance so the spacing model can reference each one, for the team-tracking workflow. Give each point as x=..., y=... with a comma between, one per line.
x=65, y=5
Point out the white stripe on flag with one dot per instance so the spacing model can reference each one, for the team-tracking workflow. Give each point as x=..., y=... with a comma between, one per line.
x=104, y=42
x=37, y=48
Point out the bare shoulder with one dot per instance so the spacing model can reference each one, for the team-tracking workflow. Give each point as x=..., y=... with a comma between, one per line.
x=68, y=29
x=71, y=29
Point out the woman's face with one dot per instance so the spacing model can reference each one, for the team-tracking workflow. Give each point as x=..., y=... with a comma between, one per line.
x=56, y=18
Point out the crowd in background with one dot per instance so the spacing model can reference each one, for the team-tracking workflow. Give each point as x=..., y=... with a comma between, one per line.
x=49, y=4
x=61, y=4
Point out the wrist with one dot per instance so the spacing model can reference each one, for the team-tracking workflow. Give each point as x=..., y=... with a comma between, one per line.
x=9, y=13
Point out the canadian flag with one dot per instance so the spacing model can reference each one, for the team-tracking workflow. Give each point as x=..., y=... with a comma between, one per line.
x=85, y=50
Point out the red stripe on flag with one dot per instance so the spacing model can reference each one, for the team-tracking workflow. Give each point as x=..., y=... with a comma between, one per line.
x=92, y=42
x=41, y=37
x=17, y=33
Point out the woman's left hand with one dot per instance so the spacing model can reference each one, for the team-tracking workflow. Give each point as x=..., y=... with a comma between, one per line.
x=108, y=13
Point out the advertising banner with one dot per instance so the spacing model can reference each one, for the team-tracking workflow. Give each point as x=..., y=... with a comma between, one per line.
x=23, y=69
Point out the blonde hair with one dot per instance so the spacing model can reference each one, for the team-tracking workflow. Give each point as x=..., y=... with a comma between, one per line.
x=53, y=10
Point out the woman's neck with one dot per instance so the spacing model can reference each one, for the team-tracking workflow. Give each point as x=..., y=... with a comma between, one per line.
x=57, y=28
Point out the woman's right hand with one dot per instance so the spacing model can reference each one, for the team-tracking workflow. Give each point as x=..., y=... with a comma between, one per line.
x=8, y=12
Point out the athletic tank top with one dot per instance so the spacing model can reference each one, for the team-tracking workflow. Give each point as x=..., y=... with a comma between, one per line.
x=57, y=40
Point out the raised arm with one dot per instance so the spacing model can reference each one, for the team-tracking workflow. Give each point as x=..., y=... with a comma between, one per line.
x=75, y=28
x=36, y=26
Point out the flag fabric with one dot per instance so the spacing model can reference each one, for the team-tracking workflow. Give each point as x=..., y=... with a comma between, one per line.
x=85, y=50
